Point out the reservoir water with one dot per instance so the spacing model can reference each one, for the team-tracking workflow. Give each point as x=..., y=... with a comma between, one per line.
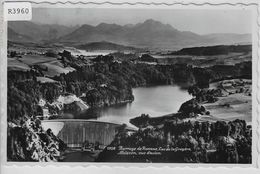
x=155, y=101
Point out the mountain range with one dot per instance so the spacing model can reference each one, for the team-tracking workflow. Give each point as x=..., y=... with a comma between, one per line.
x=37, y=32
x=149, y=34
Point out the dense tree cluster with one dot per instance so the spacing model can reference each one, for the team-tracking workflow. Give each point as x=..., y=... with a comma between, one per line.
x=147, y=58
x=215, y=142
x=104, y=81
x=110, y=82
x=191, y=108
x=23, y=97
x=214, y=50
x=205, y=95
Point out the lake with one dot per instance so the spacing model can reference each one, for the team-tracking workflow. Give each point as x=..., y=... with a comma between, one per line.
x=155, y=101
x=78, y=52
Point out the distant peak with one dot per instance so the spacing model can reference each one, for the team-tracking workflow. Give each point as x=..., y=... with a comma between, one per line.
x=102, y=24
x=86, y=25
x=129, y=25
x=151, y=21
x=106, y=25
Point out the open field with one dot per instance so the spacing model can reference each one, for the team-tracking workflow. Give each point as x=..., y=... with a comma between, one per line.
x=33, y=48
x=235, y=106
x=16, y=65
x=55, y=68
x=236, y=102
x=36, y=59
x=50, y=66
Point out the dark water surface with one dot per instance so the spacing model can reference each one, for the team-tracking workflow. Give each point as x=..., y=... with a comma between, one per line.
x=155, y=101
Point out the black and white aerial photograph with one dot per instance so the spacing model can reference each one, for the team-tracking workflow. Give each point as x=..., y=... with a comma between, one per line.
x=130, y=85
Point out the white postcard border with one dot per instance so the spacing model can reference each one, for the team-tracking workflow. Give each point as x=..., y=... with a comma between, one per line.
x=144, y=4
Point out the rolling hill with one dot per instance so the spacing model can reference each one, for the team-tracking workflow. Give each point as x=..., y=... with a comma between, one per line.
x=38, y=32
x=15, y=37
x=149, y=34
x=214, y=50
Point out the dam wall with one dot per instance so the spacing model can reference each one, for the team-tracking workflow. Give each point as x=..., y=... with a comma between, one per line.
x=75, y=132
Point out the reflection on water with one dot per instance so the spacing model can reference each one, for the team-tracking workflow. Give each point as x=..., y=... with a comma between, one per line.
x=155, y=101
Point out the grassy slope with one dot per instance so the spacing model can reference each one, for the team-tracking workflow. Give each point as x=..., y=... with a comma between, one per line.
x=53, y=65
x=240, y=104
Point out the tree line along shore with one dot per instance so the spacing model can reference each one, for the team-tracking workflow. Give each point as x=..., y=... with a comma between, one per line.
x=104, y=81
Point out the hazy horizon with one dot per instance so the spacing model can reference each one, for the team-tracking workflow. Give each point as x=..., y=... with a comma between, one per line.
x=197, y=21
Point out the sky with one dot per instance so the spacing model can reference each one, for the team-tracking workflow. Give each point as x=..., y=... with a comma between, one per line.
x=197, y=21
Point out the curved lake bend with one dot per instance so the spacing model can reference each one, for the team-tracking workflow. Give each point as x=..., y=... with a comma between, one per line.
x=155, y=101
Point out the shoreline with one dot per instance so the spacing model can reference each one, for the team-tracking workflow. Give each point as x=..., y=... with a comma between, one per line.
x=166, y=116
x=198, y=117
x=105, y=81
